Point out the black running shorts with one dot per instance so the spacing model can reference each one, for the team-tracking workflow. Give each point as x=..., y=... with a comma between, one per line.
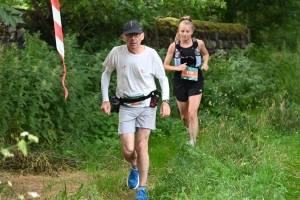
x=183, y=89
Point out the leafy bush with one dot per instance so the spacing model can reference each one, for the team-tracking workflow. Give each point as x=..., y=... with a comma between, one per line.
x=232, y=83
x=10, y=15
x=32, y=95
x=241, y=80
x=7, y=153
x=279, y=69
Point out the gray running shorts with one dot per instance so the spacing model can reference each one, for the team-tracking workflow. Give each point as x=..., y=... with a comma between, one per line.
x=131, y=118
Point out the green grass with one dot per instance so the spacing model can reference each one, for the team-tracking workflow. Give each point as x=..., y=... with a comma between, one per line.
x=241, y=158
x=290, y=161
x=246, y=157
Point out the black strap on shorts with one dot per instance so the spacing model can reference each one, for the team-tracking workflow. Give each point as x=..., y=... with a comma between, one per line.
x=155, y=93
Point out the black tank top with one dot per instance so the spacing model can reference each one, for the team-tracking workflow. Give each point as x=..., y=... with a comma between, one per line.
x=188, y=56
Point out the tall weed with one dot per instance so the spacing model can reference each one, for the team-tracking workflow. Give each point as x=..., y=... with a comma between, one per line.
x=284, y=116
x=233, y=84
x=242, y=80
x=280, y=70
x=31, y=94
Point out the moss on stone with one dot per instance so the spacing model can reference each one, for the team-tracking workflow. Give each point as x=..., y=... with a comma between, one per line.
x=170, y=24
x=167, y=24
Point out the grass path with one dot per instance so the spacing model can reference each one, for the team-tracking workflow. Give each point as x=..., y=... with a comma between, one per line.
x=104, y=173
x=290, y=159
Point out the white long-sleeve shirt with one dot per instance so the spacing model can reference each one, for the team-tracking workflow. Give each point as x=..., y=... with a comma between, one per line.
x=136, y=73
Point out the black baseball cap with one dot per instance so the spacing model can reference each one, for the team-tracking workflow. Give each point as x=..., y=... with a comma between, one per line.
x=132, y=27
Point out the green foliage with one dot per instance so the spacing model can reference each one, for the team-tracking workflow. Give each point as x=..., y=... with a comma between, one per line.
x=244, y=79
x=196, y=9
x=284, y=116
x=21, y=145
x=291, y=145
x=10, y=15
x=97, y=22
x=101, y=20
x=24, y=140
x=269, y=21
x=232, y=84
x=248, y=152
x=238, y=158
x=280, y=69
x=231, y=159
x=63, y=194
x=23, y=4
x=32, y=94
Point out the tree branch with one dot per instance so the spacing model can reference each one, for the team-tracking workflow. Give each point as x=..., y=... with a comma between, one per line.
x=42, y=17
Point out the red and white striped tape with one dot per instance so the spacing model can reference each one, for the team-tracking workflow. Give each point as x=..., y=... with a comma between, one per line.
x=59, y=39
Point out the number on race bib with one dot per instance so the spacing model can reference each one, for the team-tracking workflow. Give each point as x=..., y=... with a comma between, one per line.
x=190, y=73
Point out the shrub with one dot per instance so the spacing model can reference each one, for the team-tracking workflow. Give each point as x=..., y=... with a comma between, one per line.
x=32, y=95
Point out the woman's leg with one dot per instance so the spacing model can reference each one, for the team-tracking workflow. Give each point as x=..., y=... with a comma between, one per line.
x=194, y=103
x=184, y=114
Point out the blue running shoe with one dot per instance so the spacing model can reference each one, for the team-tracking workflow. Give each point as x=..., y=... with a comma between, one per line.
x=133, y=179
x=141, y=195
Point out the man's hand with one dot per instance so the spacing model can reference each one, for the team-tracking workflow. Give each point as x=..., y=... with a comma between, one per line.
x=165, y=110
x=105, y=107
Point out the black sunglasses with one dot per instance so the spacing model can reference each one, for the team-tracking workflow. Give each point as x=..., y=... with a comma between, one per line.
x=130, y=35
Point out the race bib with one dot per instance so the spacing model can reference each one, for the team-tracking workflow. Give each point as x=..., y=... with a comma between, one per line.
x=190, y=73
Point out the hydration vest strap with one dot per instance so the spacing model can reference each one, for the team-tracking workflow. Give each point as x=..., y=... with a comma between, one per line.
x=177, y=44
x=195, y=44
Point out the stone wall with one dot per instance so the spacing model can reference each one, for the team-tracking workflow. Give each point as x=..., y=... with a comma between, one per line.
x=216, y=36
x=9, y=34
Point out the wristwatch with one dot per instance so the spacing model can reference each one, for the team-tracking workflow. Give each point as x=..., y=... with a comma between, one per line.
x=167, y=101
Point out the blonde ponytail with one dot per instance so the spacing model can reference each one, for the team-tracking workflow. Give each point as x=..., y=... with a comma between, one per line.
x=177, y=37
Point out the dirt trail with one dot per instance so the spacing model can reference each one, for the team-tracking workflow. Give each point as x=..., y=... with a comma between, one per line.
x=46, y=186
